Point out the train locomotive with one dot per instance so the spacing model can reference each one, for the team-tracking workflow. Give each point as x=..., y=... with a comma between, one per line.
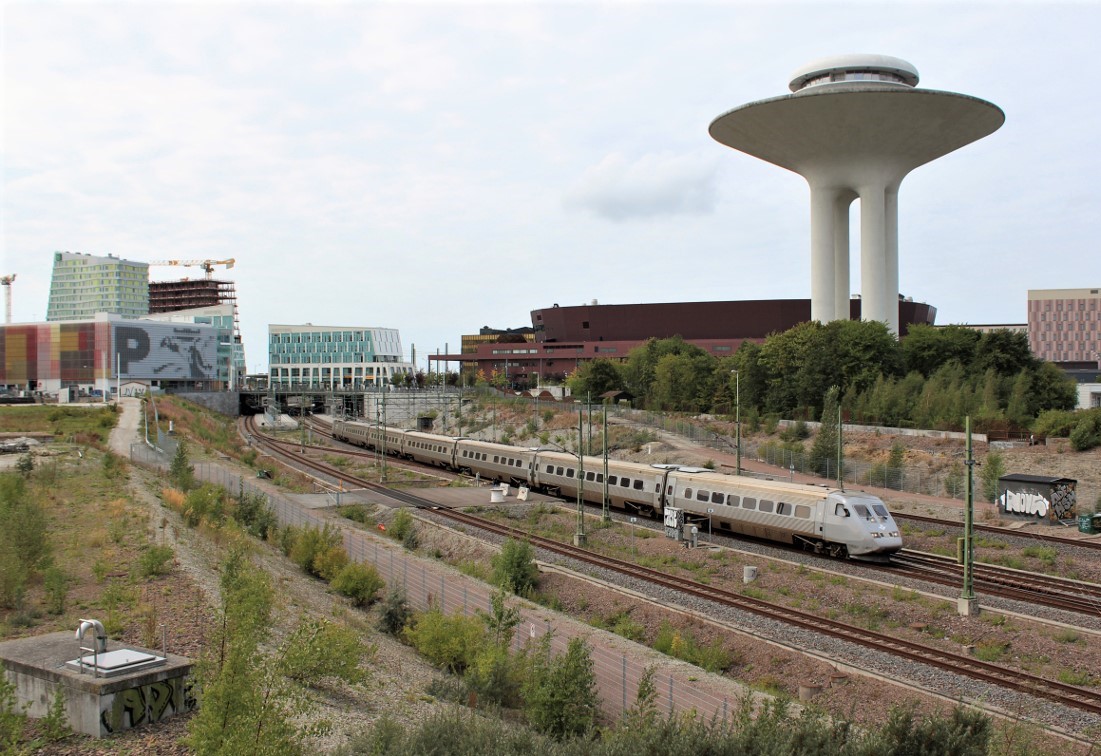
x=821, y=519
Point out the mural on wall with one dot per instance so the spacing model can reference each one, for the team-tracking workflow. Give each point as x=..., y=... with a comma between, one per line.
x=166, y=351
x=149, y=703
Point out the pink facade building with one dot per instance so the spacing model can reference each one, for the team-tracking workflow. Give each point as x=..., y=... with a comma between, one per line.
x=1064, y=326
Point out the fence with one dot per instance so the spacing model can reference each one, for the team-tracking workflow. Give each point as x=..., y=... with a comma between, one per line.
x=427, y=584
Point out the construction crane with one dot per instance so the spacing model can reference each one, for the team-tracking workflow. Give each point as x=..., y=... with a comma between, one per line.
x=7, y=282
x=207, y=265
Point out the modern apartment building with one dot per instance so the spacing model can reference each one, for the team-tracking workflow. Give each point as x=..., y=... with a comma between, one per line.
x=334, y=356
x=83, y=285
x=1064, y=326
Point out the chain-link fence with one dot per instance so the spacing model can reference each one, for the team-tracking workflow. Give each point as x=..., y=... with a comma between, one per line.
x=428, y=584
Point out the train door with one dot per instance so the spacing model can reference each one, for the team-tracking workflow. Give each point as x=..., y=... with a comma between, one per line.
x=836, y=527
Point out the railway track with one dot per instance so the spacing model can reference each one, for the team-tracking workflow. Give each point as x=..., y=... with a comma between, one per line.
x=993, y=580
x=1078, y=542
x=1063, y=694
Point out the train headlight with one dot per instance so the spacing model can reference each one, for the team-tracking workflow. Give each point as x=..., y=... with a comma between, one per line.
x=877, y=534
x=893, y=534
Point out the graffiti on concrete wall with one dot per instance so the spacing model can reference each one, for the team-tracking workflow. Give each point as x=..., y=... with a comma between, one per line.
x=1058, y=503
x=148, y=703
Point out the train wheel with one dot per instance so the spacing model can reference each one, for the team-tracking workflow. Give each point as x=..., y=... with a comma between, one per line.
x=838, y=551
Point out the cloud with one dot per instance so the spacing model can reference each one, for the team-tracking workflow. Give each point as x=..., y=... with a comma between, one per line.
x=652, y=185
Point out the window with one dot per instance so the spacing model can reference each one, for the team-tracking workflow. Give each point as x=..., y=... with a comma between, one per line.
x=732, y=500
x=550, y=468
x=783, y=508
x=840, y=511
x=862, y=511
x=880, y=510
x=687, y=493
x=638, y=485
x=802, y=511
x=496, y=459
x=569, y=473
x=590, y=476
x=702, y=495
x=612, y=480
x=558, y=471
x=625, y=482
x=748, y=503
x=717, y=498
x=765, y=505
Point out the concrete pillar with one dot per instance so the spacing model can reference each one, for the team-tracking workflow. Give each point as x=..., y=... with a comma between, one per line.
x=891, y=212
x=823, y=203
x=841, y=255
x=873, y=254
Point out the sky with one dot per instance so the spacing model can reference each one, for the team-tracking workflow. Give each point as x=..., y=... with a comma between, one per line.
x=439, y=167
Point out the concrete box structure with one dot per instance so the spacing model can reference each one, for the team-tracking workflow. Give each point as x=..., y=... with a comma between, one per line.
x=96, y=706
x=1037, y=496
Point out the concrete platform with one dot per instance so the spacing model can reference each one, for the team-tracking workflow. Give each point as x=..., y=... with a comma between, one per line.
x=96, y=706
x=449, y=496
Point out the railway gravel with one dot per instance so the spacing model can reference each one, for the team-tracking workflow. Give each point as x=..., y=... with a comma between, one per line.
x=944, y=684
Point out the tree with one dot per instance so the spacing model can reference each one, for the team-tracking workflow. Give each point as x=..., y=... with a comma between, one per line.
x=826, y=442
x=993, y=468
x=514, y=567
x=594, y=378
x=926, y=349
x=560, y=693
x=181, y=473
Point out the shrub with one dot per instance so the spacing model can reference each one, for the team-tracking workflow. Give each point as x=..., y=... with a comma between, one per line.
x=24, y=465
x=319, y=551
x=403, y=529
x=181, y=472
x=514, y=567
x=394, y=614
x=254, y=513
x=359, y=582
x=495, y=676
x=56, y=584
x=560, y=693
x=449, y=641
x=1087, y=433
x=208, y=502
x=1058, y=423
x=155, y=560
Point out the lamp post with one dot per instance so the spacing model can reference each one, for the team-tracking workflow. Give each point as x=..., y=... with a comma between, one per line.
x=605, y=509
x=579, y=535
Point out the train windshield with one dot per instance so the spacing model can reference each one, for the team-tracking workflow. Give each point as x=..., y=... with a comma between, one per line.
x=881, y=510
x=862, y=511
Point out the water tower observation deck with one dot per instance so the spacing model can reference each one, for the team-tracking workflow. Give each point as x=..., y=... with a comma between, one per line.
x=854, y=127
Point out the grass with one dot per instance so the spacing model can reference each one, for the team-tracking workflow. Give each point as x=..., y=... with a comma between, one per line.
x=991, y=651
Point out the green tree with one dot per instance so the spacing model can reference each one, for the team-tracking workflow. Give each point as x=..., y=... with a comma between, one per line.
x=926, y=349
x=993, y=468
x=502, y=619
x=449, y=641
x=594, y=378
x=251, y=702
x=514, y=567
x=181, y=473
x=359, y=582
x=824, y=450
x=560, y=693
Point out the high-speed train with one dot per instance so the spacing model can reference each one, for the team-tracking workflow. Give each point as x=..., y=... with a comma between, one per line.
x=820, y=519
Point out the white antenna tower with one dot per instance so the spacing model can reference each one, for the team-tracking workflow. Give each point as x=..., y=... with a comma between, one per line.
x=7, y=281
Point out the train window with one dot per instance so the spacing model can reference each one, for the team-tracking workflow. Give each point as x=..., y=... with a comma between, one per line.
x=687, y=493
x=496, y=459
x=625, y=482
x=840, y=510
x=802, y=511
x=748, y=503
x=612, y=480
x=550, y=468
x=716, y=498
x=880, y=510
x=783, y=508
x=558, y=471
x=590, y=476
x=464, y=452
x=638, y=485
x=862, y=511
x=600, y=477
x=732, y=500
x=765, y=505
x=702, y=495
x=569, y=473
x=668, y=490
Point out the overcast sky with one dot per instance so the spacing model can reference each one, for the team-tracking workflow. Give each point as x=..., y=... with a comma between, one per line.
x=437, y=167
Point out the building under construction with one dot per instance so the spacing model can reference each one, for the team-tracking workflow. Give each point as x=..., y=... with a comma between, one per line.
x=195, y=294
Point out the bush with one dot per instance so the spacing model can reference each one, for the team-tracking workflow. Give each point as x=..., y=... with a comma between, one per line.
x=395, y=613
x=208, y=502
x=560, y=693
x=514, y=567
x=155, y=560
x=494, y=676
x=319, y=551
x=1087, y=433
x=253, y=512
x=1057, y=423
x=449, y=641
x=56, y=584
x=403, y=529
x=181, y=473
x=359, y=582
